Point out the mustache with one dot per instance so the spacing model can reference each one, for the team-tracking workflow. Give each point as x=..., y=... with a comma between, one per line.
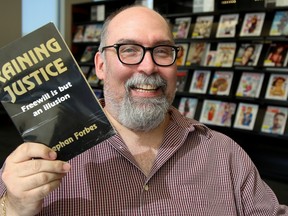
x=142, y=79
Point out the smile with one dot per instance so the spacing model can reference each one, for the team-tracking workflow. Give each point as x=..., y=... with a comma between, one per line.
x=145, y=88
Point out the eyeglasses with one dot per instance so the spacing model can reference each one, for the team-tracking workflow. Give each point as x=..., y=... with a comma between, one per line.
x=133, y=54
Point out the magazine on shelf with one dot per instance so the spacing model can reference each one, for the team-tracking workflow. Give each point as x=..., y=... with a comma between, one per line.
x=279, y=25
x=281, y=3
x=225, y=54
x=252, y=24
x=88, y=54
x=276, y=55
x=277, y=87
x=187, y=106
x=92, y=78
x=181, y=57
x=197, y=52
x=210, y=58
x=248, y=54
x=199, y=82
x=47, y=96
x=92, y=32
x=85, y=70
x=227, y=26
x=274, y=120
x=221, y=83
x=203, y=26
x=225, y=114
x=181, y=80
x=246, y=116
x=209, y=111
x=200, y=6
x=250, y=84
x=181, y=27
x=97, y=12
x=79, y=34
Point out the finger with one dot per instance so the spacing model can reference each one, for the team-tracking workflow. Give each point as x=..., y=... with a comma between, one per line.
x=27, y=151
x=32, y=167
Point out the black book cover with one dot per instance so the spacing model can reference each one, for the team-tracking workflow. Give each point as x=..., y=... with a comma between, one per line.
x=47, y=97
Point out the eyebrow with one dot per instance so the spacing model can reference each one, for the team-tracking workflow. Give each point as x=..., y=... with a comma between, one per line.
x=130, y=41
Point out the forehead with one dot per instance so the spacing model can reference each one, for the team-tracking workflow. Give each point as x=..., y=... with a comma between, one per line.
x=139, y=24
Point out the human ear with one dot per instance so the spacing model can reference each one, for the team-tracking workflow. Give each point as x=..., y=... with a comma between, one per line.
x=99, y=66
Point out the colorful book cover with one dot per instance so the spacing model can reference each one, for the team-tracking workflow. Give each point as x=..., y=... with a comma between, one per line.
x=276, y=55
x=209, y=111
x=225, y=54
x=248, y=54
x=47, y=96
x=88, y=54
x=181, y=27
x=227, y=26
x=181, y=80
x=197, y=52
x=277, y=87
x=187, y=106
x=274, y=120
x=221, y=83
x=203, y=26
x=279, y=25
x=250, y=84
x=252, y=24
x=92, y=32
x=199, y=82
x=182, y=54
x=246, y=116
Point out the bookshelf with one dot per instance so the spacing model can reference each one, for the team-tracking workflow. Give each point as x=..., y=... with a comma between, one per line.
x=268, y=150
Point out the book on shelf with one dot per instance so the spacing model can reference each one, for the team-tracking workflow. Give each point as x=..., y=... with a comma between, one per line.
x=97, y=12
x=221, y=83
x=92, y=32
x=201, y=6
x=281, y=3
x=246, y=116
x=252, y=24
x=47, y=96
x=203, y=27
x=250, y=84
x=248, y=54
x=227, y=25
x=196, y=54
x=88, y=54
x=182, y=54
x=181, y=27
x=224, y=56
x=187, y=106
x=209, y=111
x=199, y=82
x=279, y=25
x=276, y=55
x=85, y=70
x=277, y=87
x=181, y=80
x=79, y=34
x=274, y=121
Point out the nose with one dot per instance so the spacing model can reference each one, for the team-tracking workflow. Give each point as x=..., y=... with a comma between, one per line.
x=147, y=65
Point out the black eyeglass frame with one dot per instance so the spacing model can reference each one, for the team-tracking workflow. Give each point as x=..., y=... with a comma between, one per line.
x=150, y=49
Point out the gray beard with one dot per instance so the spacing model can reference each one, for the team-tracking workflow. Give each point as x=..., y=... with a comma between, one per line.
x=142, y=114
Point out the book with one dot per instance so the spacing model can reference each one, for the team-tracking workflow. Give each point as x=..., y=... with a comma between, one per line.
x=279, y=25
x=187, y=106
x=225, y=54
x=221, y=83
x=248, y=54
x=181, y=80
x=209, y=111
x=200, y=6
x=203, y=26
x=181, y=27
x=274, y=120
x=227, y=26
x=277, y=87
x=92, y=32
x=252, y=24
x=79, y=34
x=97, y=13
x=250, y=85
x=88, y=54
x=276, y=55
x=196, y=54
x=225, y=114
x=199, y=82
x=47, y=96
x=246, y=116
x=182, y=54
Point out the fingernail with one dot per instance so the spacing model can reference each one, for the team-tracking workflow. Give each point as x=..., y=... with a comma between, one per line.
x=52, y=155
x=66, y=167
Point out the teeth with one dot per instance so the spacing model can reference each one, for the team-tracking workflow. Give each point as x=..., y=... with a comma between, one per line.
x=146, y=87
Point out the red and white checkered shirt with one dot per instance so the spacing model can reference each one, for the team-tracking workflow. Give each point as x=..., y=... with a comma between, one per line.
x=197, y=172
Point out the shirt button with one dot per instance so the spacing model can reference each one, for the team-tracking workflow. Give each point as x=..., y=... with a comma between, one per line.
x=146, y=187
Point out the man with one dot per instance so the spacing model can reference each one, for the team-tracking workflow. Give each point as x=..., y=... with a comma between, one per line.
x=278, y=123
x=159, y=163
